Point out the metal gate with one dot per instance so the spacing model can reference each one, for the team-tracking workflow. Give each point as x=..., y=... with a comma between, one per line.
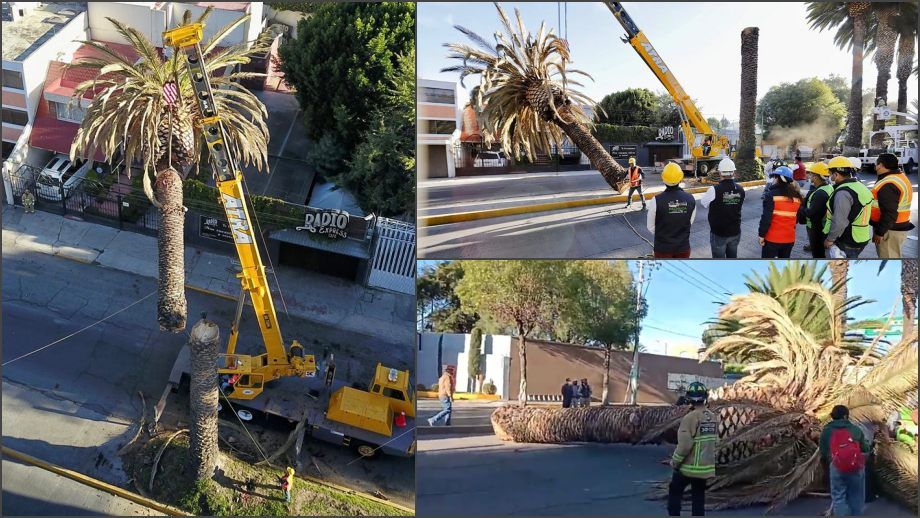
x=393, y=263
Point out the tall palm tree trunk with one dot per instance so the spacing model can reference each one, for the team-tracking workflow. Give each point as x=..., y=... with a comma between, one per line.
x=839, y=272
x=203, y=342
x=522, y=356
x=909, y=280
x=581, y=136
x=747, y=143
x=905, y=67
x=885, y=39
x=605, y=395
x=858, y=12
x=171, y=303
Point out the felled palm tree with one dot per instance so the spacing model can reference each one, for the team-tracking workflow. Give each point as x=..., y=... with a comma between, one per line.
x=525, y=97
x=130, y=116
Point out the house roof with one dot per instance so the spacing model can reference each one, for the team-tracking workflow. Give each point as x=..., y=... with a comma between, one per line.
x=470, y=131
x=52, y=134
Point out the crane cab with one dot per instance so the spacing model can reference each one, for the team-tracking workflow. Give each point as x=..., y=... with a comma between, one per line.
x=374, y=410
x=247, y=374
x=394, y=385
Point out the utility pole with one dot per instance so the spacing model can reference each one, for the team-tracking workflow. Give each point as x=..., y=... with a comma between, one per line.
x=634, y=372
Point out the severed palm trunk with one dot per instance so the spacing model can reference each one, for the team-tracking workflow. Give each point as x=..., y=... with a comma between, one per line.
x=885, y=39
x=171, y=304
x=614, y=174
x=858, y=12
x=909, y=280
x=839, y=272
x=203, y=344
x=906, y=45
x=522, y=354
x=747, y=167
x=605, y=395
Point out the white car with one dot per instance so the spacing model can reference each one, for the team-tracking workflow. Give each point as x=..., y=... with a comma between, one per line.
x=490, y=159
x=60, y=171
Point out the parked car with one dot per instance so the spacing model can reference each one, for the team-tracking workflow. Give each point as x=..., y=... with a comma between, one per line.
x=60, y=171
x=490, y=159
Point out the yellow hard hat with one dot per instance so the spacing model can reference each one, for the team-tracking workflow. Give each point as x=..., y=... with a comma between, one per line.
x=818, y=168
x=290, y=470
x=840, y=162
x=632, y=161
x=672, y=174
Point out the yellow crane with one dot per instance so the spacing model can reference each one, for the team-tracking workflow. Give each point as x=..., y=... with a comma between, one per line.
x=706, y=145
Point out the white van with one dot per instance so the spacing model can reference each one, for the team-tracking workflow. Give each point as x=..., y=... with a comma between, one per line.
x=61, y=171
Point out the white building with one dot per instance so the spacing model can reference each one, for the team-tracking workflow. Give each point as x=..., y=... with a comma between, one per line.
x=438, y=128
x=454, y=351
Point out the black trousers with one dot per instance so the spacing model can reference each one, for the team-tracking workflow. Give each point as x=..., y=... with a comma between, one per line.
x=776, y=250
x=679, y=482
x=630, y=195
x=816, y=240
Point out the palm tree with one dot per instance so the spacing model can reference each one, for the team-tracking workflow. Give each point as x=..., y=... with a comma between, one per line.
x=129, y=116
x=746, y=138
x=839, y=271
x=851, y=17
x=203, y=343
x=909, y=280
x=885, y=39
x=906, y=25
x=524, y=97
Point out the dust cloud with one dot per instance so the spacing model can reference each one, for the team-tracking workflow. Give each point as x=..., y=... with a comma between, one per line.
x=815, y=135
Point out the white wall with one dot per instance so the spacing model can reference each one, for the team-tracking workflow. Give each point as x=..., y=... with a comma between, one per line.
x=218, y=19
x=455, y=349
x=289, y=18
x=35, y=67
x=139, y=15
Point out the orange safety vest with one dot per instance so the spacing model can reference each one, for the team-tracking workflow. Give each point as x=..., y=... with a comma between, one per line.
x=782, y=226
x=634, y=179
x=900, y=181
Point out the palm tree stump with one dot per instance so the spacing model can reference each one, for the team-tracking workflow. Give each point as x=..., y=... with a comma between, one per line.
x=203, y=345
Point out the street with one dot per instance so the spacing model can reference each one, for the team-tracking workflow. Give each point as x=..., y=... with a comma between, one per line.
x=467, y=417
x=598, y=231
x=481, y=475
x=74, y=403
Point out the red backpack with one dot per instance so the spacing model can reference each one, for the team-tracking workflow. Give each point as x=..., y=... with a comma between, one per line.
x=845, y=452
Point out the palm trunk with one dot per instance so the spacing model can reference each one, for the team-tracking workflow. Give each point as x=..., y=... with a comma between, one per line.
x=885, y=40
x=909, y=280
x=581, y=136
x=605, y=395
x=203, y=342
x=839, y=271
x=854, y=110
x=172, y=308
x=522, y=355
x=747, y=143
x=905, y=67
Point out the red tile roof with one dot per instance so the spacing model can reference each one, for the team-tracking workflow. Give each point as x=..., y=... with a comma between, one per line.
x=53, y=134
x=470, y=131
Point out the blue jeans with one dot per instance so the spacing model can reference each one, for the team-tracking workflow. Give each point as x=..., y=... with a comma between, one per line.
x=848, y=492
x=724, y=247
x=287, y=495
x=444, y=413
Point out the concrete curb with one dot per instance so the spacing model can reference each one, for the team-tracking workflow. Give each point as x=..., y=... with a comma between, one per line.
x=473, y=429
x=348, y=490
x=98, y=484
x=444, y=219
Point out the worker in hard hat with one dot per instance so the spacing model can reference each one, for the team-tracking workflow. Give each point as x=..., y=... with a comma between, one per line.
x=724, y=202
x=635, y=176
x=694, y=458
x=890, y=215
x=814, y=208
x=781, y=201
x=849, y=209
x=670, y=215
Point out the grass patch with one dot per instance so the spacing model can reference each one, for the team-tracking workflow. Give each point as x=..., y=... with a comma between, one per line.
x=240, y=489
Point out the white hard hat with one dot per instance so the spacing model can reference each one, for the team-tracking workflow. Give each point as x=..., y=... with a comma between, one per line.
x=726, y=166
x=857, y=163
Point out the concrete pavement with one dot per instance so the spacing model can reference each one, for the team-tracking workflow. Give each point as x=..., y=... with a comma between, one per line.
x=477, y=476
x=318, y=298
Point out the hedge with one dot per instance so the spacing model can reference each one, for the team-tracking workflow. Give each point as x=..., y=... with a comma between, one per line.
x=617, y=133
x=270, y=212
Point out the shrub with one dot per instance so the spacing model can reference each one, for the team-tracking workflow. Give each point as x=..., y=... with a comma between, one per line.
x=421, y=388
x=489, y=388
x=617, y=133
x=434, y=387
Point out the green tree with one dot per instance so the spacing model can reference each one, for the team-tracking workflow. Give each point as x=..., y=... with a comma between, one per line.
x=343, y=64
x=630, y=107
x=522, y=294
x=838, y=85
x=474, y=358
x=806, y=109
x=666, y=112
x=437, y=302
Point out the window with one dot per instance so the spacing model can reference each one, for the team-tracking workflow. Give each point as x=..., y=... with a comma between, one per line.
x=394, y=394
x=67, y=112
x=12, y=79
x=441, y=127
x=17, y=117
x=436, y=95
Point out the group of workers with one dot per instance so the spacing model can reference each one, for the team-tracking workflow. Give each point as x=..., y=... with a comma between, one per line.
x=576, y=393
x=840, y=214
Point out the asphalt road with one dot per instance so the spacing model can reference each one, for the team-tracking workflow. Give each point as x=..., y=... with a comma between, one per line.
x=601, y=231
x=481, y=475
x=73, y=403
x=463, y=413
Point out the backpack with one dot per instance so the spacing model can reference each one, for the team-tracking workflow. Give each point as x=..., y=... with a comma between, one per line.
x=846, y=454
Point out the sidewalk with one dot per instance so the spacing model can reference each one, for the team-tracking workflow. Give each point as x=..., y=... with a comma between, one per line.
x=318, y=298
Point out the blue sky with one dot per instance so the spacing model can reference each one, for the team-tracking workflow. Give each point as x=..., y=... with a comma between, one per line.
x=679, y=309
x=707, y=63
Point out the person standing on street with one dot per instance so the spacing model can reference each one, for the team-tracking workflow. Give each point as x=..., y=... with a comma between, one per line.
x=890, y=216
x=814, y=209
x=28, y=201
x=849, y=209
x=781, y=202
x=635, y=176
x=694, y=459
x=567, y=393
x=446, y=396
x=800, y=173
x=576, y=393
x=670, y=216
x=844, y=449
x=585, y=393
x=724, y=202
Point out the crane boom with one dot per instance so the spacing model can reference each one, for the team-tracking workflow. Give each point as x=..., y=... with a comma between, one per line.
x=278, y=360
x=691, y=118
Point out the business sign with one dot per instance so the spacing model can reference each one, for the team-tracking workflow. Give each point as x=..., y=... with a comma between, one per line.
x=665, y=134
x=620, y=152
x=330, y=222
x=214, y=228
x=679, y=381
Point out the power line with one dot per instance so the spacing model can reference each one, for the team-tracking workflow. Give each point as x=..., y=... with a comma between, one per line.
x=693, y=282
x=703, y=275
x=670, y=332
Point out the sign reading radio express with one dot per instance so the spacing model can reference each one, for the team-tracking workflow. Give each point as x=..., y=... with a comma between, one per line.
x=665, y=134
x=332, y=222
x=622, y=152
x=214, y=228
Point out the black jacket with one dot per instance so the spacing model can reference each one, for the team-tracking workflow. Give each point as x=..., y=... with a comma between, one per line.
x=888, y=197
